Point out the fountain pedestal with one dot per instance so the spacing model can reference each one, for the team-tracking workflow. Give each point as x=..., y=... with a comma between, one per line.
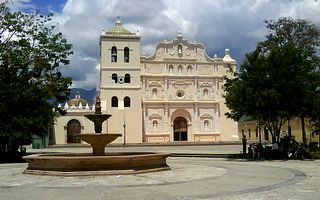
x=98, y=142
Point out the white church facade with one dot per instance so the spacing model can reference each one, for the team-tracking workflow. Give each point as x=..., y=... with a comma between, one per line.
x=172, y=96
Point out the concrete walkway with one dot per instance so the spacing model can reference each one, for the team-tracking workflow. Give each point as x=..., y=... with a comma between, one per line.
x=190, y=178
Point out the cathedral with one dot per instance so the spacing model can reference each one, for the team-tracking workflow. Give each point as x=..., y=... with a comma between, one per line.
x=174, y=95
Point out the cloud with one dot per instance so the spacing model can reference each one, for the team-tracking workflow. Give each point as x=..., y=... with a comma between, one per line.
x=19, y=4
x=217, y=24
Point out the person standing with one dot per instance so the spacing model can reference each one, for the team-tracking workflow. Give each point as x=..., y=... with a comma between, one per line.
x=244, y=144
x=259, y=149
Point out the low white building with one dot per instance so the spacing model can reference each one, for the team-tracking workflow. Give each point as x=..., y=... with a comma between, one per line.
x=173, y=95
x=74, y=122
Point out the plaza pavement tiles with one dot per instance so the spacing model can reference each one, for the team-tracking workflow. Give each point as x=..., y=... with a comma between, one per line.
x=189, y=178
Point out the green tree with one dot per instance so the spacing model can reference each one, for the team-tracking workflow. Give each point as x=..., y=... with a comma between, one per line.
x=278, y=79
x=31, y=85
x=304, y=37
x=314, y=115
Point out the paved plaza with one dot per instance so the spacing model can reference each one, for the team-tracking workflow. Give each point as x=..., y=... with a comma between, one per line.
x=190, y=178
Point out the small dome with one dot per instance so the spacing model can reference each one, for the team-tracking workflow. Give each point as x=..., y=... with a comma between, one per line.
x=76, y=101
x=118, y=29
x=227, y=58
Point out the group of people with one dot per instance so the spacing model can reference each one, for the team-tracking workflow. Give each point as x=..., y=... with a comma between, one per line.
x=287, y=148
x=255, y=150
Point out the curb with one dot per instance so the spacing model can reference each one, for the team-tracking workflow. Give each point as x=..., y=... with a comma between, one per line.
x=197, y=155
x=151, y=144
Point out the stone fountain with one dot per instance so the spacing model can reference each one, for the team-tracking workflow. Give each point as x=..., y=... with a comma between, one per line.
x=99, y=163
x=98, y=141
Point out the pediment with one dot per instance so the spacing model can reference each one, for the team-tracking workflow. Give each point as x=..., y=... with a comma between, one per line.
x=205, y=84
x=155, y=116
x=180, y=83
x=155, y=84
x=206, y=116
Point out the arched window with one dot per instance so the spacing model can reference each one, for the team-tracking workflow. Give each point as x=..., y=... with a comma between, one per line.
x=126, y=102
x=179, y=48
x=126, y=54
x=114, y=78
x=114, y=101
x=206, y=123
x=170, y=69
x=154, y=125
x=154, y=93
x=205, y=92
x=114, y=54
x=180, y=69
x=189, y=69
x=127, y=78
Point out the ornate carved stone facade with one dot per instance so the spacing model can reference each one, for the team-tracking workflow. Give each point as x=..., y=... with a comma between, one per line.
x=182, y=95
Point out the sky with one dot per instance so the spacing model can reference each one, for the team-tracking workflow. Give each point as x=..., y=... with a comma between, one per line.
x=218, y=24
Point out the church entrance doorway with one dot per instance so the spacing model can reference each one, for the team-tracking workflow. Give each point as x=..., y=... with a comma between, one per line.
x=180, y=129
x=73, y=128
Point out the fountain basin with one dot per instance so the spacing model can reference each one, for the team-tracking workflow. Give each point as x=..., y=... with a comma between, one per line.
x=98, y=117
x=86, y=164
x=98, y=141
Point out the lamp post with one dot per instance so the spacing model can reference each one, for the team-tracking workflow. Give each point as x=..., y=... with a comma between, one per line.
x=124, y=129
x=121, y=107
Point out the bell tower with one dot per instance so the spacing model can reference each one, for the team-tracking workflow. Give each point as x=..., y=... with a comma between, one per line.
x=120, y=85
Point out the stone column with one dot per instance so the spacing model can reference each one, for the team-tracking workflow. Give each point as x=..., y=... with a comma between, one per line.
x=195, y=119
